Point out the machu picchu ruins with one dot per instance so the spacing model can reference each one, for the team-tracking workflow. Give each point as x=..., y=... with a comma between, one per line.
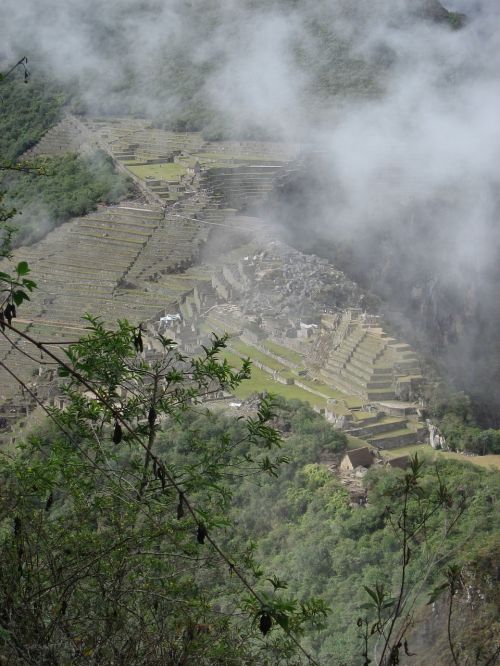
x=155, y=260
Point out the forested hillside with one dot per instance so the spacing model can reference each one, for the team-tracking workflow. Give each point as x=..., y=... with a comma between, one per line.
x=48, y=189
x=306, y=532
x=58, y=188
x=180, y=65
x=28, y=110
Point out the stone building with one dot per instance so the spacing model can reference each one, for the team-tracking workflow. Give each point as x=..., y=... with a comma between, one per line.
x=362, y=457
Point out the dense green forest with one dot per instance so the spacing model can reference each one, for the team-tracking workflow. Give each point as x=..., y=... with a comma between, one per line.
x=179, y=79
x=305, y=531
x=27, y=111
x=58, y=188
x=106, y=557
x=456, y=416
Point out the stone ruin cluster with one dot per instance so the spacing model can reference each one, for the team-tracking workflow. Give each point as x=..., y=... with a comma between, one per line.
x=281, y=283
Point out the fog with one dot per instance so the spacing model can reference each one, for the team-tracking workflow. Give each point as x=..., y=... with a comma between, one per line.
x=403, y=109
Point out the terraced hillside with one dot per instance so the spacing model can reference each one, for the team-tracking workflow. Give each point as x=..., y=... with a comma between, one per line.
x=129, y=260
x=240, y=172
x=369, y=363
x=122, y=262
x=65, y=137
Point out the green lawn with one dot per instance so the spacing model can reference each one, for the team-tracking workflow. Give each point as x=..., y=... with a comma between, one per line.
x=323, y=388
x=284, y=352
x=261, y=381
x=170, y=171
x=256, y=355
x=391, y=434
x=355, y=442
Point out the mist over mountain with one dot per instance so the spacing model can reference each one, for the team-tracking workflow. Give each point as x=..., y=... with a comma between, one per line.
x=395, y=104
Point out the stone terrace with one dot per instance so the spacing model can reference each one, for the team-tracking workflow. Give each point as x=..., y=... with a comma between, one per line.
x=369, y=363
x=117, y=263
x=135, y=141
x=65, y=137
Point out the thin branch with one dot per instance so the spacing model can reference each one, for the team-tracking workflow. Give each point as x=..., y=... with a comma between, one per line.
x=448, y=626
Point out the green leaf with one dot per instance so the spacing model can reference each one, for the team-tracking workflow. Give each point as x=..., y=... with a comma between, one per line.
x=20, y=296
x=29, y=284
x=372, y=594
x=22, y=268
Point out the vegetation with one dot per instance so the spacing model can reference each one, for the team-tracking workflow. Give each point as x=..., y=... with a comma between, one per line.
x=110, y=534
x=27, y=112
x=49, y=190
x=69, y=186
x=301, y=524
x=454, y=413
x=139, y=528
x=106, y=520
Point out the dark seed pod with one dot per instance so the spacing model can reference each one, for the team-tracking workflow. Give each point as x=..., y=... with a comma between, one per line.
x=8, y=314
x=152, y=417
x=13, y=310
x=161, y=475
x=117, y=433
x=155, y=469
x=359, y=622
x=64, y=607
x=201, y=533
x=2, y=320
x=180, y=508
x=49, y=502
x=265, y=623
x=139, y=347
x=17, y=526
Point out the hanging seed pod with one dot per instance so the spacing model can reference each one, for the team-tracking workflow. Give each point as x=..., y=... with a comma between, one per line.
x=152, y=417
x=49, y=502
x=8, y=314
x=2, y=320
x=117, y=433
x=180, y=508
x=17, y=526
x=161, y=475
x=155, y=469
x=265, y=623
x=201, y=533
x=139, y=347
x=13, y=310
